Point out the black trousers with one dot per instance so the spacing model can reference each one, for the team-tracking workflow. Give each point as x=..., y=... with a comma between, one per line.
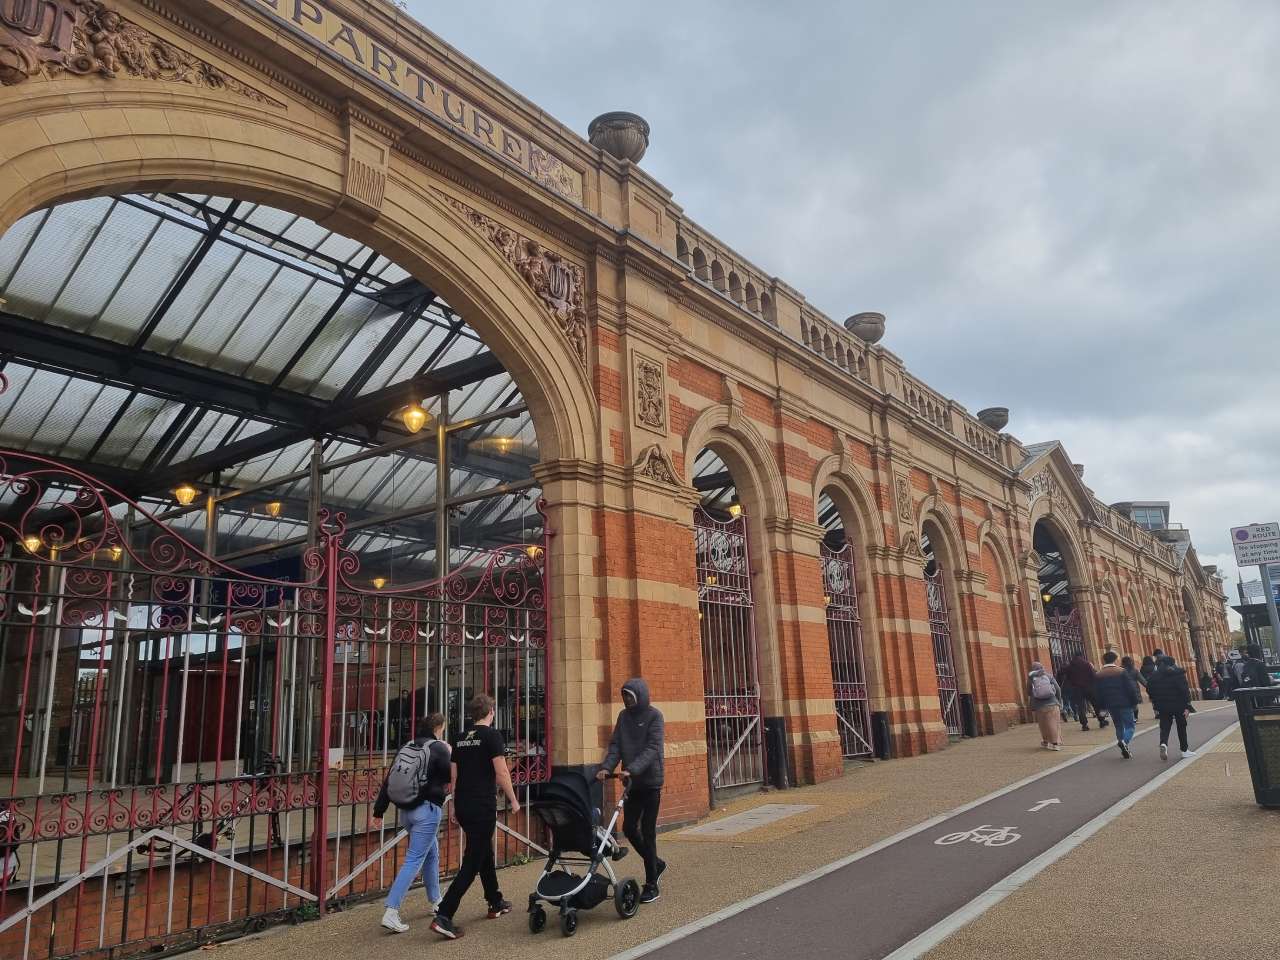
x=477, y=858
x=1167, y=720
x=640, y=823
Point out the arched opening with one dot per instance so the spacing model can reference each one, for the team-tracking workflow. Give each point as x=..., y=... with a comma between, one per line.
x=717, y=276
x=731, y=673
x=1062, y=618
x=849, y=676
x=938, y=591
x=272, y=479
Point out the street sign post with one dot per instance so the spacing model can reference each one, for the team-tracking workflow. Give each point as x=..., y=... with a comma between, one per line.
x=1258, y=544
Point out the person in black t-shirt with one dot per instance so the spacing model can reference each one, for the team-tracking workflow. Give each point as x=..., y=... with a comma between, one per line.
x=479, y=770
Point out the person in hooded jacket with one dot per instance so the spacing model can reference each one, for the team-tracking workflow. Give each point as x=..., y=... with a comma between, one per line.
x=1171, y=696
x=637, y=743
x=1080, y=677
x=1116, y=693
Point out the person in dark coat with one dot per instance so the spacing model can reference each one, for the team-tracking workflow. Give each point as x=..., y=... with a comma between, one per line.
x=1133, y=673
x=1116, y=693
x=1080, y=677
x=637, y=743
x=1147, y=669
x=1254, y=671
x=1171, y=696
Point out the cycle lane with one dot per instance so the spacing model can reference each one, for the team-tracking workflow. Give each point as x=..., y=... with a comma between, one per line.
x=868, y=908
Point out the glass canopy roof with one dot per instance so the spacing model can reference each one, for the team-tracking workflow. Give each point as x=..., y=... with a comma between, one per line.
x=156, y=339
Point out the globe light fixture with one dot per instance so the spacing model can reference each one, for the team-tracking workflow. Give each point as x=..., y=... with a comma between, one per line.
x=414, y=417
x=185, y=494
x=1046, y=597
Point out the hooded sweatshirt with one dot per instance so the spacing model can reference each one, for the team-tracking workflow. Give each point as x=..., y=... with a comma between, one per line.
x=1168, y=688
x=1114, y=689
x=637, y=738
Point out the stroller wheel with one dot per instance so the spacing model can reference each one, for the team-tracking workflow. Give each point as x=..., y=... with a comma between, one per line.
x=626, y=898
x=569, y=922
x=537, y=920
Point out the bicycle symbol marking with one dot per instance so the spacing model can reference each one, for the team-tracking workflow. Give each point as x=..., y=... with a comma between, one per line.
x=987, y=835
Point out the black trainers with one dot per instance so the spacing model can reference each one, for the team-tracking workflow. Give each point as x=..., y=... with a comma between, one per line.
x=444, y=926
x=649, y=893
x=1124, y=750
x=498, y=909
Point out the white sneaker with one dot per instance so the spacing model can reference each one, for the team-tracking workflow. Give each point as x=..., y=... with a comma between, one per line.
x=1188, y=753
x=1164, y=751
x=435, y=906
x=391, y=920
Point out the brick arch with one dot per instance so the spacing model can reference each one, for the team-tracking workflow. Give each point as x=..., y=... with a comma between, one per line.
x=76, y=142
x=837, y=477
x=1002, y=694
x=762, y=493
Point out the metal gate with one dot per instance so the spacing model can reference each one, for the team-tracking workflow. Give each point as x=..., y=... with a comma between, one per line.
x=189, y=751
x=943, y=650
x=1066, y=637
x=730, y=667
x=848, y=666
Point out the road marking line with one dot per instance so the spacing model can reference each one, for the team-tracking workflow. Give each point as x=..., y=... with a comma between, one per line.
x=711, y=919
x=922, y=944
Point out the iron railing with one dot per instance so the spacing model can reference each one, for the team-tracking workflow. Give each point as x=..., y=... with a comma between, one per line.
x=848, y=664
x=190, y=750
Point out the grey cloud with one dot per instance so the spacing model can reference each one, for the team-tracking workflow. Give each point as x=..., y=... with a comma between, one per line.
x=1070, y=209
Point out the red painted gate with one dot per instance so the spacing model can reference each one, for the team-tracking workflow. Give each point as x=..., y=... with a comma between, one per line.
x=190, y=751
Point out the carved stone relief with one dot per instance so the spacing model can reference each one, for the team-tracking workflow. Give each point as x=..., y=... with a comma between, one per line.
x=902, y=494
x=54, y=38
x=655, y=465
x=560, y=285
x=650, y=392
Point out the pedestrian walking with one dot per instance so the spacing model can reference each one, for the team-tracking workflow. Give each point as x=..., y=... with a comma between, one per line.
x=1045, y=695
x=479, y=771
x=1081, y=676
x=1118, y=695
x=417, y=784
x=1147, y=669
x=637, y=743
x=1171, y=697
x=1067, y=710
x=1134, y=674
x=1226, y=684
x=1253, y=672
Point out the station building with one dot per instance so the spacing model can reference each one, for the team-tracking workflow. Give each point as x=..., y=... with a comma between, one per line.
x=340, y=383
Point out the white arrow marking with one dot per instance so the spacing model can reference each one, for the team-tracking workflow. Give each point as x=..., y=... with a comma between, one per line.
x=1042, y=804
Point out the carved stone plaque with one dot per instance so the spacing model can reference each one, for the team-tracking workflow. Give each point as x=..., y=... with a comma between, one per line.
x=650, y=392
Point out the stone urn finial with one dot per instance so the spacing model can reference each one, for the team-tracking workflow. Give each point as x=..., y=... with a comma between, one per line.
x=866, y=326
x=997, y=418
x=1079, y=469
x=620, y=134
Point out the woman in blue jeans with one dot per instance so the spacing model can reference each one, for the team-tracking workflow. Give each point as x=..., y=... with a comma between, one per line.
x=419, y=815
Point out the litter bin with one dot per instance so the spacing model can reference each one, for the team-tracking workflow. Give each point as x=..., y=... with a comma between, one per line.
x=1259, y=712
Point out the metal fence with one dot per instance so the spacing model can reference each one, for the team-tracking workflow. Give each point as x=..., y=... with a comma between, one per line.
x=848, y=664
x=191, y=750
x=943, y=650
x=730, y=668
x=1066, y=637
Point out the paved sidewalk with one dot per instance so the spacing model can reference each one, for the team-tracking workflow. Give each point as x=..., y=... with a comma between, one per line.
x=1190, y=872
x=870, y=802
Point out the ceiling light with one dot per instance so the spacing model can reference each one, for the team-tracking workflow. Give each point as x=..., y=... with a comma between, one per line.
x=1046, y=597
x=735, y=510
x=414, y=417
x=117, y=553
x=31, y=542
x=185, y=494
x=379, y=582
x=274, y=508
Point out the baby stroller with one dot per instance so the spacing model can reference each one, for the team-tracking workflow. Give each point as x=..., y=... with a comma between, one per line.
x=564, y=805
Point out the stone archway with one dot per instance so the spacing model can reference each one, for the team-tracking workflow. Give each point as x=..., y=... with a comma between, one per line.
x=74, y=138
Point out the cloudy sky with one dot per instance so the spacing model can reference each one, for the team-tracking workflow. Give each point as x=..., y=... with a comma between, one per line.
x=1067, y=209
